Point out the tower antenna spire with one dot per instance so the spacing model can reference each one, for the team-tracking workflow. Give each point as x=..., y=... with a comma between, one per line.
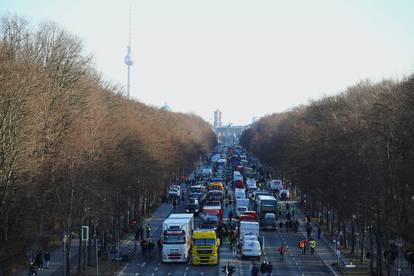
x=128, y=58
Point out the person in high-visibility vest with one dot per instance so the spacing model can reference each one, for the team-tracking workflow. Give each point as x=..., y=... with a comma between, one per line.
x=312, y=244
x=302, y=244
x=282, y=252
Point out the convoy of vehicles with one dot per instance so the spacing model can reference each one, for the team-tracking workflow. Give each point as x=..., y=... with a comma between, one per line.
x=227, y=173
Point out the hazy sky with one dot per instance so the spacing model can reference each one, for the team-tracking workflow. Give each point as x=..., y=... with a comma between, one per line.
x=248, y=58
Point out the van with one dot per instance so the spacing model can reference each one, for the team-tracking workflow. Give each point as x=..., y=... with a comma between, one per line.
x=239, y=193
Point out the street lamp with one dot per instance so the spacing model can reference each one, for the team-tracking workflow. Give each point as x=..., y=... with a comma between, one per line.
x=353, y=234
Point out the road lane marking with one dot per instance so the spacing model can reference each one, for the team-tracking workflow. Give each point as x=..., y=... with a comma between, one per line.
x=156, y=269
x=137, y=274
x=143, y=264
x=152, y=274
x=186, y=269
x=185, y=274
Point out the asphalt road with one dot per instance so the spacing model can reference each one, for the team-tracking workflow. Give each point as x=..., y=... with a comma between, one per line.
x=294, y=264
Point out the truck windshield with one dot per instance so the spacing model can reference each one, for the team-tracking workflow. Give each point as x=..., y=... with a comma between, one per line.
x=195, y=189
x=173, y=239
x=204, y=242
x=269, y=203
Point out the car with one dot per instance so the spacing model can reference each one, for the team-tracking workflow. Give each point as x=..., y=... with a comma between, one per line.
x=252, y=214
x=209, y=221
x=173, y=193
x=195, y=195
x=192, y=206
x=240, y=210
x=269, y=221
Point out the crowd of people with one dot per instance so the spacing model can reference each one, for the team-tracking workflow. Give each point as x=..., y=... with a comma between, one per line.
x=39, y=261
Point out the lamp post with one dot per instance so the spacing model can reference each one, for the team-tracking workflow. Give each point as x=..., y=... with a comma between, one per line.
x=353, y=235
x=328, y=221
x=64, y=253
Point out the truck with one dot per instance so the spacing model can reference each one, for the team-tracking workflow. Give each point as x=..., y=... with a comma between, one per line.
x=213, y=208
x=238, y=180
x=184, y=216
x=276, y=185
x=216, y=186
x=242, y=201
x=239, y=193
x=251, y=244
x=265, y=204
x=176, y=238
x=205, y=245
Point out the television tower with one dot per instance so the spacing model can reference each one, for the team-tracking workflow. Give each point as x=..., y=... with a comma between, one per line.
x=128, y=58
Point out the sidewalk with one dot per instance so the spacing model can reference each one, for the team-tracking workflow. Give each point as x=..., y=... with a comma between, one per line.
x=324, y=247
x=56, y=261
x=56, y=255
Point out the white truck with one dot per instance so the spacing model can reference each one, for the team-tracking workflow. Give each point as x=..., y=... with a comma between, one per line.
x=251, y=244
x=251, y=184
x=265, y=204
x=242, y=202
x=239, y=193
x=184, y=216
x=176, y=238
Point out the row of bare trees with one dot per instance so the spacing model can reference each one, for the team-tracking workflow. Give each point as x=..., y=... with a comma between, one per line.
x=73, y=151
x=352, y=157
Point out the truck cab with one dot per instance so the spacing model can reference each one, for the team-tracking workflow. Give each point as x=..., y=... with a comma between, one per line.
x=205, y=246
x=176, y=238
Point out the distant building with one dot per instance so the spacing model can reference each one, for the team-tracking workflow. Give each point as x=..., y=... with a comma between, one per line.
x=217, y=119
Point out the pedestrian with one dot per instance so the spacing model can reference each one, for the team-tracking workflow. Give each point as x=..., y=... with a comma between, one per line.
x=255, y=270
x=143, y=247
x=287, y=206
x=263, y=267
x=281, y=224
x=47, y=259
x=141, y=232
x=148, y=227
x=159, y=245
x=269, y=268
x=150, y=245
x=282, y=251
x=230, y=216
x=304, y=246
x=312, y=245
x=136, y=230
x=39, y=260
x=288, y=216
x=293, y=211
